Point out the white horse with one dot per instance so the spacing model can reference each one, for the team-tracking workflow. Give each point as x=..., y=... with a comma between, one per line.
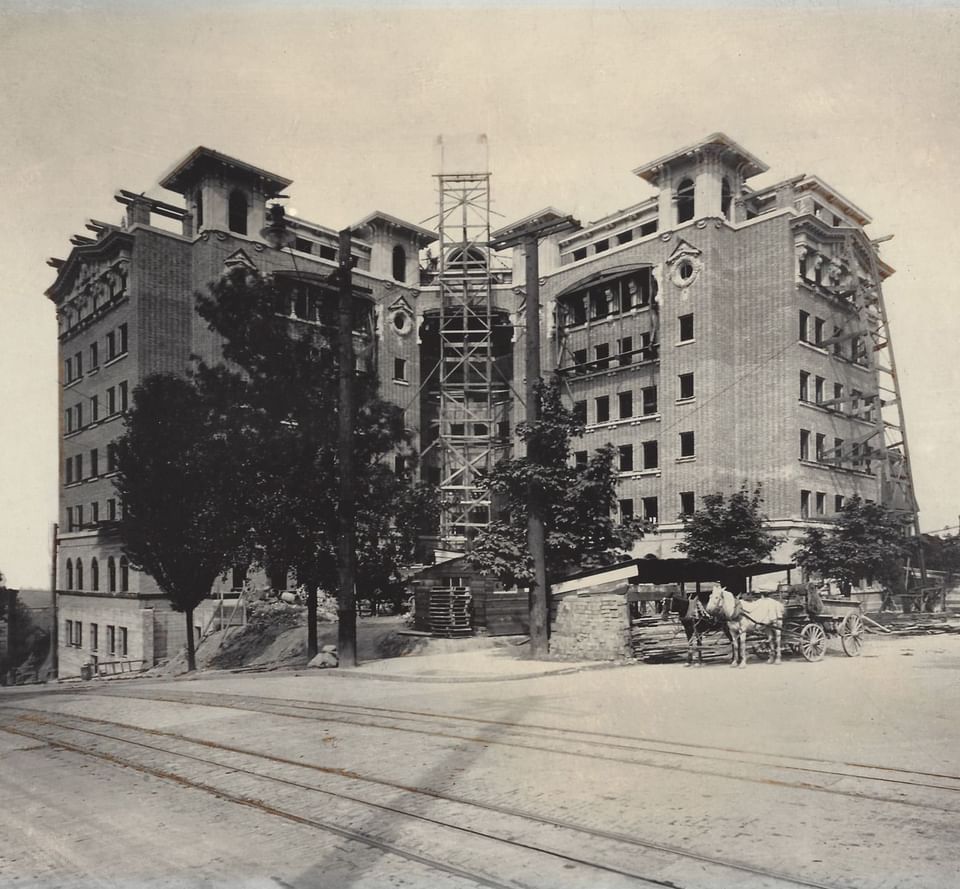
x=763, y=615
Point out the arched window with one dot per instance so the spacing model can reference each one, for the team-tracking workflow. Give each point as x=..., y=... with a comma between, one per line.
x=69, y=574
x=94, y=575
x=237, y=219
x=79, y=574
x=124, y=574
x=685, y=202
x=111, y=575
x=726, y=197
x=399, y=263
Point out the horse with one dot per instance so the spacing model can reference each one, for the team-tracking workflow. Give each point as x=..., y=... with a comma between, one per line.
x=695, y=621
x=764, y=614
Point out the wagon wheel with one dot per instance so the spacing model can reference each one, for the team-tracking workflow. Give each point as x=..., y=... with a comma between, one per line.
x=813, y=642
x=851, y=634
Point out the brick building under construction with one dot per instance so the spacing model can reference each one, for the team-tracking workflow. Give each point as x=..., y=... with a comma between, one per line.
x=715, y=333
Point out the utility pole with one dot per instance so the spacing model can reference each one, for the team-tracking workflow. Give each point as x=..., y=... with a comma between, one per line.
x=528, y=233
x=346, y=556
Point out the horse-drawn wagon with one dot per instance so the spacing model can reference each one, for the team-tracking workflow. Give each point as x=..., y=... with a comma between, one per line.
x=809, y=620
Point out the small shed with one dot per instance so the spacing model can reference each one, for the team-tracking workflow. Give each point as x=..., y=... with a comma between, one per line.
x=454, y=599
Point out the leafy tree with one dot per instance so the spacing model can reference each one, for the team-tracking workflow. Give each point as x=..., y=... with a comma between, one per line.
x=866, y=540
x=288, y=377
x=576, y=503
x=182, y=479
x=729, y=530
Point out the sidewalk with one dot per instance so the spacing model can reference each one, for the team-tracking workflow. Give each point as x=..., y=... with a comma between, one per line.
x=482, y=665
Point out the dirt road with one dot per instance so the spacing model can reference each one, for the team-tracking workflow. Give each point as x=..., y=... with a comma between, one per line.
x=837, y=774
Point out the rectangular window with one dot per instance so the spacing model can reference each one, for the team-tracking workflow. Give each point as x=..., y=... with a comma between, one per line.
x=94, y=462
x=855, y=402
x=95, y=512
x=603, y=409
x=123, y=338
x=838, y=450
x=112, y=509
x=686, y=386
x=804, y=327
x=400, y=369
x=458, y=428
x=687, y=444
x=651, y=509
x=600, y=246
x=626, y=510
x=686, y=328
x=805, y=504
x=651, y=455
x=580, y=412
x=601, y=352
x=580, y=459
x=837, y=347
x=78, y=422
x=111, y=639
x=78, y=512
x=838, y=502
x=818, y=331
x=68, y=633
x=123, y=641
x=687, y=504
x=625, y=402
x=94, y=636
x=68, y=470
x=804, y=444
x=821, y=503
x=818, y=389
x=804, y=386
x=94, y=408
x=94, y=356
x=78, y=633
x=78, y=468
x=626, y=458
x=303, y=245
x=78, y=364
x=855, y=455
x=580, y=359
x=69, y=518
x=68, y=421
x=649, y=394
x=111, y=345
x=625, y=347
x=123, y=395
x=111, y=401
x=838, y=396
x=580, y=253
x=68, y=370
x=112, y=457
x=625, y=237
x=648, y=228
x=820, y=446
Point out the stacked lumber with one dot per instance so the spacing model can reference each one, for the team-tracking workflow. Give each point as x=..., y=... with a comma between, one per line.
x=449, y=612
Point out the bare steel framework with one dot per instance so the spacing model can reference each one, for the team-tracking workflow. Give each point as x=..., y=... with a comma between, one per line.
x=473, y=399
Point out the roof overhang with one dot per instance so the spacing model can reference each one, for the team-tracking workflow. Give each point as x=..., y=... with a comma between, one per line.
x=602, y=276
x=749, y=163
x=113, y=241
x=422, y=236
x=816, y=185
x=185, y=173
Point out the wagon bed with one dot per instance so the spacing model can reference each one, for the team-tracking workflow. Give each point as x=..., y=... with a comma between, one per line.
x=808, y=622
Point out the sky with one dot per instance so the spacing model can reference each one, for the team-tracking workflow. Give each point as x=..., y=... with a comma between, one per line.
x=349, y=103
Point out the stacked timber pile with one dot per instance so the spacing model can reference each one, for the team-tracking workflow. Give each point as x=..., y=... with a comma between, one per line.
x=450, y=612
x=658, y=635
